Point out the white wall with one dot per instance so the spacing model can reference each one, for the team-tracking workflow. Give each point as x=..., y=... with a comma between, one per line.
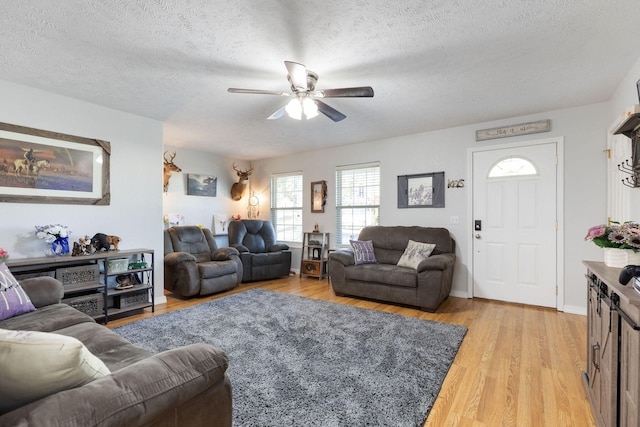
x=625, y=96
x=199, y=210
x=135, y=212
x=584, y=132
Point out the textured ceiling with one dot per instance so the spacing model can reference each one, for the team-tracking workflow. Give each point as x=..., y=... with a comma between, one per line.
x=432, y=64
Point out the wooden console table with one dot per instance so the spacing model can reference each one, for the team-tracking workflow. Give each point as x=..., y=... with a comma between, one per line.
x=87, y=278
x=612, y=377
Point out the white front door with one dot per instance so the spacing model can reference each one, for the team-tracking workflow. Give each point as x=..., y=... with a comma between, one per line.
x=514, y=213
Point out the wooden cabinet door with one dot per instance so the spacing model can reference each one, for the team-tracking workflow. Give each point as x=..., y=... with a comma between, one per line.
x=609, y=324
x=629, y=376
x=593, y=349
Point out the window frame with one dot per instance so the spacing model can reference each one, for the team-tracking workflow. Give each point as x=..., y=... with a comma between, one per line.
x=295, y=211
x=371, y=210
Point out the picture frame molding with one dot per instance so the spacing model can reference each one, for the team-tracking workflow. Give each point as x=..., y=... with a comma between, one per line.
x=103, y=179
x=318, y=202
x=437, y=189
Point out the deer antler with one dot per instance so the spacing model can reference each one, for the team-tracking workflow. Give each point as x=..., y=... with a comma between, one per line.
x=248, y=171
x=173, y=156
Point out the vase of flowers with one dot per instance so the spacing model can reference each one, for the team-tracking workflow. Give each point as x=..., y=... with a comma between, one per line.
x=621, y=243
x=56, y=237
x=4, y=256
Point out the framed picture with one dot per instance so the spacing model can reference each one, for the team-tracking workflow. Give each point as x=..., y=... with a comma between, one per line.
x=221, y=223
x=318, y=196
x=201, y=185
x=424, y=190
x=39, y=166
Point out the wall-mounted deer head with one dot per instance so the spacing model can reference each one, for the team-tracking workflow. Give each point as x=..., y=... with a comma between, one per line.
x=169, y=168
x=238, y=189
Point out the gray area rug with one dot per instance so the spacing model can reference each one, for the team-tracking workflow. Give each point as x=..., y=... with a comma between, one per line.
x=297, y=361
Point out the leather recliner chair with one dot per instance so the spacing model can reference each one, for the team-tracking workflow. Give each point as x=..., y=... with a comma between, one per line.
x=263, y=258
x=194, y=265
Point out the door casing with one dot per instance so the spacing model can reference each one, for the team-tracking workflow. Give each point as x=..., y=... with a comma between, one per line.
x=559, y=141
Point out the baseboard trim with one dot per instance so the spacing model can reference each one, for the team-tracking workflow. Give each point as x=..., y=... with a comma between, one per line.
x=575, y=309
x=458, y=294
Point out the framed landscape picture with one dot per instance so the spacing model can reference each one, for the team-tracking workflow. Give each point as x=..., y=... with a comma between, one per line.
x=424, y=190
x=201, y=185
x=39, y=166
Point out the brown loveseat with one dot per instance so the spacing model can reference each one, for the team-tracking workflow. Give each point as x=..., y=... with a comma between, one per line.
x=425, y=286
x=186, y=386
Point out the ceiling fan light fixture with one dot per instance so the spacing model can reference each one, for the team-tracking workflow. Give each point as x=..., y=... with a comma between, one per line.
x=294, y=109
x=310, y=108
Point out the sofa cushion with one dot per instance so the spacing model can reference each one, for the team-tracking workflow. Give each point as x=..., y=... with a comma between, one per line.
x=363, y=252
x=384, y=274
x=47, y=319
x=211, y=269
x=415, y=253
x=13, y=299
x=37, y=364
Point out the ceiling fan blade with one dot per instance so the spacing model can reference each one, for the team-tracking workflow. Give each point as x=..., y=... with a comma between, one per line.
x=356, y=92
x=330, y=112
x=278, y=113
x=258, y=91
x=297, y=75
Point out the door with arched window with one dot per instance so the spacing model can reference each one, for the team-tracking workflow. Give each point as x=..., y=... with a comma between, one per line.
x=514, y=208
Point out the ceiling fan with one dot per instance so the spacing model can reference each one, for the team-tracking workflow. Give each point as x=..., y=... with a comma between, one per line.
x=306, y=102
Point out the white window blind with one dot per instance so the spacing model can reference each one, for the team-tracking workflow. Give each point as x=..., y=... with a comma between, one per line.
x=286, y=206
x=357, y=200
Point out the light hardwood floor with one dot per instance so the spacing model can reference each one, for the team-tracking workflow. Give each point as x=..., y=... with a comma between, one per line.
x=517, y=366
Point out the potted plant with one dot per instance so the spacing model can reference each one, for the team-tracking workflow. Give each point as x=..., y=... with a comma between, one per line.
x=621, y=242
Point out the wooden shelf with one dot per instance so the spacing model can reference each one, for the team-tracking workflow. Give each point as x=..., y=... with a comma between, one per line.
x=629, y=126
x=51, y=266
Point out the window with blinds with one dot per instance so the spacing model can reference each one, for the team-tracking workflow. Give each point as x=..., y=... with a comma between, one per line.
x=286, y=207
x=357, y=200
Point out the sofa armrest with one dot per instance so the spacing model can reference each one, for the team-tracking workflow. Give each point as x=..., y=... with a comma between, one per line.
x=278, y=247
x=437, y=262
x=224, y=254
x=344, y=256
x=43, y=290
x=240, y=248
x=131, y=396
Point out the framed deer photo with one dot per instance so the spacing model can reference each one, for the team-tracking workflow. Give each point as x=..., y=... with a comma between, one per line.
x=39, y=166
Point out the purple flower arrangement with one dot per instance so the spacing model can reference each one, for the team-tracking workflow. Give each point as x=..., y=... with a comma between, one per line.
x=616, y=235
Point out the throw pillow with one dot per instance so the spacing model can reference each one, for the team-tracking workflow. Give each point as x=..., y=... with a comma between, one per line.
x=363, y=252
x=13, y=299
x=38, y=364
x=415, y=253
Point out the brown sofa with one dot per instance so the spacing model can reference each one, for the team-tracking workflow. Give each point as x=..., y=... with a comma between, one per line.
x=425, y=287
x=186, y=386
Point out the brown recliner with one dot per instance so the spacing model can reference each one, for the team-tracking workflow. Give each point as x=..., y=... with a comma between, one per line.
x=193, y=264
x=263, y=258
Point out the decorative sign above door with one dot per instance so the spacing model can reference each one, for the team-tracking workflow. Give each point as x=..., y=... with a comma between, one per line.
x=514, y=130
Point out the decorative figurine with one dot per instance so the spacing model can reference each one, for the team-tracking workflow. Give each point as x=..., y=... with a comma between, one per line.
x=102, y=241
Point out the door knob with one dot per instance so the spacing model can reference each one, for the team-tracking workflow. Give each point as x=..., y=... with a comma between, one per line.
x=478, y=236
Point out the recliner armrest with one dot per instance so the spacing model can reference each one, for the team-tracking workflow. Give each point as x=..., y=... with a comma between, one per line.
x=178, y=257
x=224, y=254
x=437, y=262
x=278, y=247
x=344, y=256
x=239, y=247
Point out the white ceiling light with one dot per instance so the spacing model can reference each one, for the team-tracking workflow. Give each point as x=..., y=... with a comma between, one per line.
x=296, y=107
